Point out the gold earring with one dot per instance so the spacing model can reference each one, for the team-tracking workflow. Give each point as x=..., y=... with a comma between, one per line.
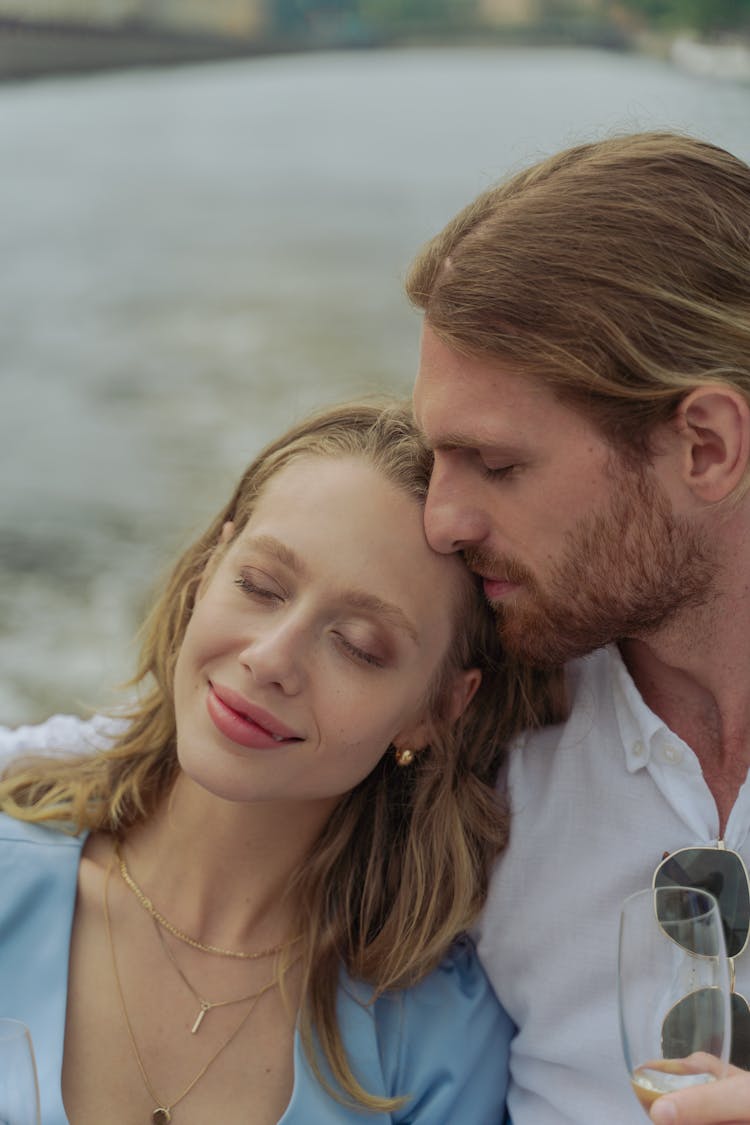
x=404, y=756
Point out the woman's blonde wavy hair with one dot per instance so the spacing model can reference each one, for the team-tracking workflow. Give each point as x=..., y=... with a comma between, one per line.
x=618, y=272
x=401, y=867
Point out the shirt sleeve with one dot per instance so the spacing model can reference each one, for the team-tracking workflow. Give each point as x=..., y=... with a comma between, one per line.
x=452, y=1040
x=59, y=735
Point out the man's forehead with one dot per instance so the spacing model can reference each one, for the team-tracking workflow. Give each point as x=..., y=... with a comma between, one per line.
x=477, y=401
x=462, y=413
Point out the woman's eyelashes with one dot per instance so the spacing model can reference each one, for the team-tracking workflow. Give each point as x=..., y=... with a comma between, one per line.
x=263, y=588
x=356, y=653
x=259, y=585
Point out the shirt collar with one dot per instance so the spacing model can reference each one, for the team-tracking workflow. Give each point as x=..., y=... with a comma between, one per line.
x=638, y=724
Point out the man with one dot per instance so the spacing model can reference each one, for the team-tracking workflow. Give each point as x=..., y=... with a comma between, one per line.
x=585, y=385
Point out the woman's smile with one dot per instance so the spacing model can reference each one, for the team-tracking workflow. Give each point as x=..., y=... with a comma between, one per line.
x=244, y=723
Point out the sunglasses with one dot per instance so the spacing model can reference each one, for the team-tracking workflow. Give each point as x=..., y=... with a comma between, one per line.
x=723, y=874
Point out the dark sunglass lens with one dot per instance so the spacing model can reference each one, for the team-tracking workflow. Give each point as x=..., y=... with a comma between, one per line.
x=721, y=874
x=740, y=1055
x=684, y=1029
x=688, y=917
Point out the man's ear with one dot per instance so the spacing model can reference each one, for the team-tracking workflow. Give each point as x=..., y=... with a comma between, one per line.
x=461, y=692
x=713, y=423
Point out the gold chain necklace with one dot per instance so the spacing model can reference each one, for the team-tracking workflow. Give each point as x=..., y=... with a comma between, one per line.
x=148, y=905
x=162, y=1113
x=204, y=1005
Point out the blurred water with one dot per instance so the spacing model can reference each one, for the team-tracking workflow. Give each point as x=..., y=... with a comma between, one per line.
x=192, y=258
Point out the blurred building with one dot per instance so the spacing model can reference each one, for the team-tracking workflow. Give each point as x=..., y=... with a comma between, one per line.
x=80, y=11
x=508, y=13
x=241, y=18
x=525, y=13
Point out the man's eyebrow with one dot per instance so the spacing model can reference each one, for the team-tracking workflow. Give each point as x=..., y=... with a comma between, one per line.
x=475, y=443
x=447, y=441
x=358, y=599
x=456, y=441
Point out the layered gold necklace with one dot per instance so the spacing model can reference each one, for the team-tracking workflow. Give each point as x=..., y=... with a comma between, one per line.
x=204, y=1005
x=162, y=1112
x=148, y=905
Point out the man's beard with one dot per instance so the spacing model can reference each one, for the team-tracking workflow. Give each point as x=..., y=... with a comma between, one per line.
x=625, y=572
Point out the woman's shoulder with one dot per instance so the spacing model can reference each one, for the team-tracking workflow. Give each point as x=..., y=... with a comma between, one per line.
x=22, y=833
x=458, y=989
x=445, y=1042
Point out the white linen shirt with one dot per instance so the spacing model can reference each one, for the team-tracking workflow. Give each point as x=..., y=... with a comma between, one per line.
x=595, y=804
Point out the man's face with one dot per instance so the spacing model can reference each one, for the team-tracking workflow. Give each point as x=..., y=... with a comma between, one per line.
x=575, y=546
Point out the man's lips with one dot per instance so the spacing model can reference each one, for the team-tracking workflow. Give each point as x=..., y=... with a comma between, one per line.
x=496, y=588
x=245, y=723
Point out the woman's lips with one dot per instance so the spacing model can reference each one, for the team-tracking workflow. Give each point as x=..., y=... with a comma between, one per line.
x=244, y=723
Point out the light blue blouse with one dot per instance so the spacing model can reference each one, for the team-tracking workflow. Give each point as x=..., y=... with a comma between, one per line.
x=444, y=1042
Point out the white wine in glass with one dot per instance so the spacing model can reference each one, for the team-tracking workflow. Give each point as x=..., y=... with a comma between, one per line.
x=673, y=989
x=19, y=1090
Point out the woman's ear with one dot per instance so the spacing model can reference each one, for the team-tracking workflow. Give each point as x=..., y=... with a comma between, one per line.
x=225, y=536
x=465, y=686
x=713, y=423
x=460, y=694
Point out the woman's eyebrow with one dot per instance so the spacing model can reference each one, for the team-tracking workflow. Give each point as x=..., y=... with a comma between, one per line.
x=279, y=551
x=372, y=604
x=358, y=599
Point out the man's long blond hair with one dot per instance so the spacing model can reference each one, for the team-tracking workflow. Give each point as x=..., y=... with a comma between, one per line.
x=401, y=867
x=617, y=272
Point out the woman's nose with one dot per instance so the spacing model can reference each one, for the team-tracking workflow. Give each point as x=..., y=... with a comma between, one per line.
x=276, y=655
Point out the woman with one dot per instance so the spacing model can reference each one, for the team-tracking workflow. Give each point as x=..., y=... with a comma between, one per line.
x=247, y=909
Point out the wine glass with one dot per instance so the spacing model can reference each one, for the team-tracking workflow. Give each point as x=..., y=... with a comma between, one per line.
x=19, y=1090
x=673, y=989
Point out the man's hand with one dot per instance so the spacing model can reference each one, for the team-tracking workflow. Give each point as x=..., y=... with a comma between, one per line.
x=724, y=1102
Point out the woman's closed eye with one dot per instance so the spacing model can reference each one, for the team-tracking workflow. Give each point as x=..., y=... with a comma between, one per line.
x=355, y=652
x=259, y=585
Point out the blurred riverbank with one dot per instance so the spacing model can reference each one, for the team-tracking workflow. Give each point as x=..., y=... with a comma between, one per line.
x=32, y=48
x=38, y=48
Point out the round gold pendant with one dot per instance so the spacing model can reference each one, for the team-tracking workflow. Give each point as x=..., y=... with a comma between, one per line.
x=161, y=1116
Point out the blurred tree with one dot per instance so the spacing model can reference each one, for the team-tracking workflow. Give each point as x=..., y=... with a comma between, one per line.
x=706, y=16
x=413, y=11
x=382, y=16
x=293, y=14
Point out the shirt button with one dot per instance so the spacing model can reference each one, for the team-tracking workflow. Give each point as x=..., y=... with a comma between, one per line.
x=639, y=749
x=673, y=754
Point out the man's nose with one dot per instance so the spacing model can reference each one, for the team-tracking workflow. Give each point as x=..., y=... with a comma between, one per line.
x=276, y=655
x=453, y=517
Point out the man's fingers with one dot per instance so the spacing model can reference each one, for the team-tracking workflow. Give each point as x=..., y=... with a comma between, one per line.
x=725, y=1102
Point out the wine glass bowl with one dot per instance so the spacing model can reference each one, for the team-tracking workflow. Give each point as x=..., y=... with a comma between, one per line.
x=673, y=990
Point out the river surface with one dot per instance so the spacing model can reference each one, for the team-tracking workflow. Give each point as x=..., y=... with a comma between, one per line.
x=194, y=257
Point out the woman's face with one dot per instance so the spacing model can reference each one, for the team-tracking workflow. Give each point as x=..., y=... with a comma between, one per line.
x=315, y=638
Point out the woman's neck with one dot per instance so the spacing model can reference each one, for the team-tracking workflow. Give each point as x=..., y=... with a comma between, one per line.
x=220, y=870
